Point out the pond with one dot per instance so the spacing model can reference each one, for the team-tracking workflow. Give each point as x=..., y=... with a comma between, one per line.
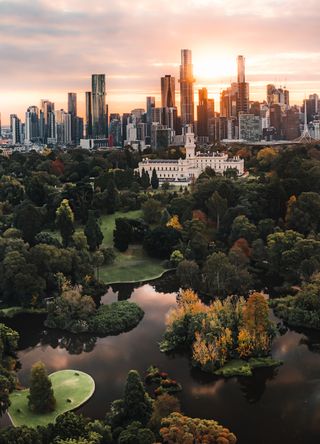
x=274, y=406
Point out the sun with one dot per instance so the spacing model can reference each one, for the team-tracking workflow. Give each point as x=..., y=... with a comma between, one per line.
x=217, y=67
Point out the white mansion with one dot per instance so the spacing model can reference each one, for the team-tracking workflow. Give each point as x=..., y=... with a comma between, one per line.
x=186, y=170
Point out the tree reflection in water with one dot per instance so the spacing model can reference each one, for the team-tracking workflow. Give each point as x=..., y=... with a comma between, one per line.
x=74, y=344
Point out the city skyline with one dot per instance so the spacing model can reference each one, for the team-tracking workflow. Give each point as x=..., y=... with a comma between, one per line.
x=48, y=50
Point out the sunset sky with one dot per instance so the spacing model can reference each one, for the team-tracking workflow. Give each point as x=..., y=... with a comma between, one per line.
x=48, y=48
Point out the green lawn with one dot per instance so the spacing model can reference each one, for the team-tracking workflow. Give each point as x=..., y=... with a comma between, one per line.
x=108, y=223
x=239, y=367
x=72, y=388
x=134, y=265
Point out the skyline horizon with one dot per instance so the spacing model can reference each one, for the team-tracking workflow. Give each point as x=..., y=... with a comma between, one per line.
x=48, y=48
x=257, y=92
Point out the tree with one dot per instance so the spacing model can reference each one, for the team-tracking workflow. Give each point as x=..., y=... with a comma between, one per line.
x=70, y=425
x=154, y=179
x=137, y=403
x=242, y=227
x=179, y=429
x=41, y=398
x=151, y=210
x=136, y=433
x=188, y=274
x=20, y=435
x=71, y=311
x=122, y=234
x=145, y=180
x=98, y=260
x=174, y=223
x=29, y=219
x=163, y=406
x=161, y=241
x=65, y=222
x=217, y=206
x=93, y=232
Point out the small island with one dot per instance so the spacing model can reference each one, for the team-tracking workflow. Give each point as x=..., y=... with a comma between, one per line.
x=230, y=337
x=71, y=389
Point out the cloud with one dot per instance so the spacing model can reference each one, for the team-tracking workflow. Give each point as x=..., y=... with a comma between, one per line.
x=52, y=47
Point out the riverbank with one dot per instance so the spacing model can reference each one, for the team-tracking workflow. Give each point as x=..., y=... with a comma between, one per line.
x=72, y=388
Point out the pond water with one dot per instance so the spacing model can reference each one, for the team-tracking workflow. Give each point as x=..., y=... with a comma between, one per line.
x=274, y=406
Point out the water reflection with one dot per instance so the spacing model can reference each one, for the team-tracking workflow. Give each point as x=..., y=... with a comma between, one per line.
x=274, y=406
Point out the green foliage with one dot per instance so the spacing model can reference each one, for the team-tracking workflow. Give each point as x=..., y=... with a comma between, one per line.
x=188, y=274
x=161, y=241
x=41, y=397
x=71, y=311
x=70, y=425
x=152, y=209
x=65, y=222
x=93, y=232
x=29, y=219
x=20, y=435
x=136, y=433
x=122, y=235
x=154, y=180
x=115, y=318
x=145, y=179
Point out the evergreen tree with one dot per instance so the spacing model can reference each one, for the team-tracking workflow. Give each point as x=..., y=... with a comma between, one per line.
x=111, y=197
x=93, y=232
x=137, y=403
x=41, y=397
x=28, y=218
x=145, y=180
x=165, y=217
x=154, y=180
x=65, y=222
x=122, y=234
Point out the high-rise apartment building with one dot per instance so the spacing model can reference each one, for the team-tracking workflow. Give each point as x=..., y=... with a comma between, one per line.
x=202, y=113
x=88, y=115
x=16, y=129
x=98, y=100
x=168, y=91
x=186, y=87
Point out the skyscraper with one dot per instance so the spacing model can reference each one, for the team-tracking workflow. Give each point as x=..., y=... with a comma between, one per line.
x=186, y=87
x=243, y=88
x=168, y=91
x=72, y=103
x=88, y=115
x=72, y=110
x=98, y=99
x=32, y=124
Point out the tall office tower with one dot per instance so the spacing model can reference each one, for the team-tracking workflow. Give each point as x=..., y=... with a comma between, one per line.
x=115, y=130
x=79, y=129
x=47, y=108
x=151, y=104
x=243, y=88
x=202, y=112
x=228, y=101
x=168, y=92
x=32, y=133
x=98, y=99
x=241, y=69
x=186, y=87
x=72, y=103
x=125, y=122
x=312, y=106
x=276, y=120
x=88, y=115
x=72, y=110
x=16, y=129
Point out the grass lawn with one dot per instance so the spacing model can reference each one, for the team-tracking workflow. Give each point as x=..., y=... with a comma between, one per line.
x=72, y=388
x=108, y=224
x=134, y=265
x=239, y=367
x=131, y=266
x=13, y=311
